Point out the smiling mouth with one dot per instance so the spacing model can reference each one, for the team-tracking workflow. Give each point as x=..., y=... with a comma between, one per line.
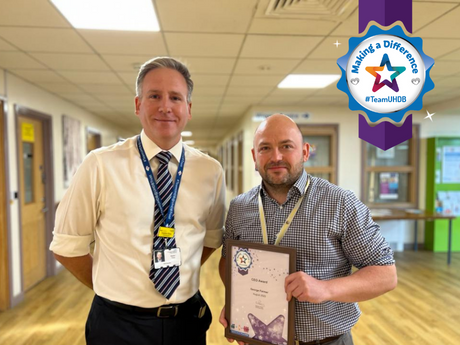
x=164, y=120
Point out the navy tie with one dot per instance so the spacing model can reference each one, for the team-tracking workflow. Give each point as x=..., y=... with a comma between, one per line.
x=166, y=280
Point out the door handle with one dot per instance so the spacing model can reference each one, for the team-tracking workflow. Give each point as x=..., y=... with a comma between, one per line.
x=45, y=209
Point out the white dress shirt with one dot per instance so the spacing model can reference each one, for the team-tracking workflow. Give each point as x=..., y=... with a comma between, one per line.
x=110, y=200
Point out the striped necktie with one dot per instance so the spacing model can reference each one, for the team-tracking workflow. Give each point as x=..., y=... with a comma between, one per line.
x=166, y=279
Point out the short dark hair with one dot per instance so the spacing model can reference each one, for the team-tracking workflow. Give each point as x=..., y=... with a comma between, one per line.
x=164, y=62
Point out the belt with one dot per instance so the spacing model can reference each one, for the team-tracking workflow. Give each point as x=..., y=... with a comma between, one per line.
x=164, y=311
x=318, y=342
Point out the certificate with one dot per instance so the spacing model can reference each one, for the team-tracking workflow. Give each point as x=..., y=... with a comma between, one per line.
x=255, y=300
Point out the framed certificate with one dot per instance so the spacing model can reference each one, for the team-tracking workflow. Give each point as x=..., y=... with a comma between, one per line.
x=255, y=300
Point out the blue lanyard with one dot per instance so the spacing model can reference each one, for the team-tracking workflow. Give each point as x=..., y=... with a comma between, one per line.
x=153, y=185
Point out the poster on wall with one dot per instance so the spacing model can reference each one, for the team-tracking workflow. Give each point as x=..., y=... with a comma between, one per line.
x=389, y=183
x=448, y=203
x=72, y=147
x=451, y=164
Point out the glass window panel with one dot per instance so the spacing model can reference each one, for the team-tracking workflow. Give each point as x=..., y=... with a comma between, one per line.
x=320, y=150
x=321, y=175
x=396, y=156
x=28, y=149
x=388, y=187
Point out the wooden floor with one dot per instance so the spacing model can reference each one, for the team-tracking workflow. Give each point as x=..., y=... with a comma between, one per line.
x=424, y=309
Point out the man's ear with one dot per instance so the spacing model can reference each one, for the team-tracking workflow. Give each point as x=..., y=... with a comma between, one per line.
x=254, y=158
x=137, y=104
x=306, y=151
x=189, y=110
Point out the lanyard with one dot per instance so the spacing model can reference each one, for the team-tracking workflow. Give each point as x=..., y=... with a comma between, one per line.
x=153, y=185
x=286, y=224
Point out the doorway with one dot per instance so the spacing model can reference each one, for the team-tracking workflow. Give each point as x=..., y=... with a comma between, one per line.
x=36, y=195
x=93, y=139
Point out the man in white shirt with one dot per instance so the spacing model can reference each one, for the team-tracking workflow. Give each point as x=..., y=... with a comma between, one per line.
x=146, y=195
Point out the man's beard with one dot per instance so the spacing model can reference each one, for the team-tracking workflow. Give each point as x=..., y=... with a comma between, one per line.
x=287, y=181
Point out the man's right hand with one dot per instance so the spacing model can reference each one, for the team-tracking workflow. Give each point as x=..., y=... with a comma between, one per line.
x=224, y=323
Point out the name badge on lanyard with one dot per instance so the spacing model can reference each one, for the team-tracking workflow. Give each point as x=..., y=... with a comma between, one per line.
x=166, y=232
x=167, y=258
x=170, y=257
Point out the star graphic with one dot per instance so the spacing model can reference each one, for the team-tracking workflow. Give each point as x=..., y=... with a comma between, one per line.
x=392, y=83
x=337, y=43
x=429, y=116
x=242, y=259
x=385, y=74
x=272, y=333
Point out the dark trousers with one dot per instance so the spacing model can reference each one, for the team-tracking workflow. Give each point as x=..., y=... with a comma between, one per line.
x=110, y=325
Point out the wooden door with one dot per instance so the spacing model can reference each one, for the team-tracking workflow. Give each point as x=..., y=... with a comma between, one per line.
x=4, y=277
x=32, y=189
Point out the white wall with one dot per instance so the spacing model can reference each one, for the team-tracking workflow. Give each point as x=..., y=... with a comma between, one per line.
x=445, y=123
x=2, y=82
x=20, y=92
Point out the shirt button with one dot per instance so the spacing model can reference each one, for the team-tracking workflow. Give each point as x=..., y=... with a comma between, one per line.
x=281, y=207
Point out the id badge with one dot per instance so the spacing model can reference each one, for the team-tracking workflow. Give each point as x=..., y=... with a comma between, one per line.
x=167, y=258
x=166, y=232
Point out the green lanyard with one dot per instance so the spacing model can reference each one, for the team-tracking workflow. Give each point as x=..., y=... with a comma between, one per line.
x=286, y=224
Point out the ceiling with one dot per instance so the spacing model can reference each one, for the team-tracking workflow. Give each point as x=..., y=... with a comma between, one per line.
x=237, y=51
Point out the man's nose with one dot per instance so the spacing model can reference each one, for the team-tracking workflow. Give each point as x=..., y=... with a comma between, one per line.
x=165, y=105
x=277, y=155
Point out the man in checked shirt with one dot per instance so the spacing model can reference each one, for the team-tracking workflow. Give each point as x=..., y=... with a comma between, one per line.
x=332, y=231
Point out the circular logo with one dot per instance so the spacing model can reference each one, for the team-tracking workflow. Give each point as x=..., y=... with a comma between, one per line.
x=243, y=259
x=385, y=73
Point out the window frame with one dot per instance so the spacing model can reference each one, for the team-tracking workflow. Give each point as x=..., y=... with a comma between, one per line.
x=332, y=130
x=412, y=169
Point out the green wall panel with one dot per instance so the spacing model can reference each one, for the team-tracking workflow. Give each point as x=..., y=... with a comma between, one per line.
x=436, y=232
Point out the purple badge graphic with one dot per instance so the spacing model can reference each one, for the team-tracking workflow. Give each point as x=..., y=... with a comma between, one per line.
x=385, y=73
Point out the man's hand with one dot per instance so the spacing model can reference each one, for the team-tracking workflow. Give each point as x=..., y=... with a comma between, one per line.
x=364, y=284
x=224, y=323
x=305, y=288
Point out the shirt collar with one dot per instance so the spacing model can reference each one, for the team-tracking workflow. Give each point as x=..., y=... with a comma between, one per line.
x=301, y=183
x=298, y=186
x=151, y=149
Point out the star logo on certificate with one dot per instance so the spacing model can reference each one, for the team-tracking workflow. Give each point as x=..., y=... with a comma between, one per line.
x=387, y=72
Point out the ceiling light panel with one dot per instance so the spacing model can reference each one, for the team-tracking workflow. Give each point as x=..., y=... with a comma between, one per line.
x=125, y=15
x=308, y=81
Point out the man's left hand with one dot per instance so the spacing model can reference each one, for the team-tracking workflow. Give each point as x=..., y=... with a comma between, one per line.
x=305, y=288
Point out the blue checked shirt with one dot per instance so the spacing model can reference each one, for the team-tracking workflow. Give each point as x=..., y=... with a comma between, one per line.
x=332, y=231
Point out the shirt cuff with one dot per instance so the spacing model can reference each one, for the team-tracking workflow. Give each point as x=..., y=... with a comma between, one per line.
x=213, y=238
x=69, y=245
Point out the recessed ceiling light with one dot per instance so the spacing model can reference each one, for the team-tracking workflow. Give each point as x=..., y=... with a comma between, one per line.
x=186, y=134
x=137, y=65
x=189, y=142
x=265, y=67
x=126, y=15
x=308, y=81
